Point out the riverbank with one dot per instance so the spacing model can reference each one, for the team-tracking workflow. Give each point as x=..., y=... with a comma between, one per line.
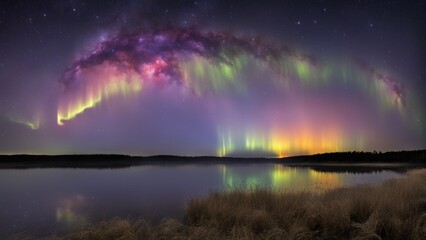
x=395, y=209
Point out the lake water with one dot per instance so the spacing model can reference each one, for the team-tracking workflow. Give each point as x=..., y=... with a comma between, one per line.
x=47, y=201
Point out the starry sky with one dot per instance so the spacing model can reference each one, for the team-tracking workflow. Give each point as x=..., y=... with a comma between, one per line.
x=219, y=77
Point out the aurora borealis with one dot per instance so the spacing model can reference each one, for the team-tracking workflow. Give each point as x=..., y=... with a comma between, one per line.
x=187, y=83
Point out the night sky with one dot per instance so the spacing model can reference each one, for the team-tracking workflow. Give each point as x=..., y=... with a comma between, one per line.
x=225, y=78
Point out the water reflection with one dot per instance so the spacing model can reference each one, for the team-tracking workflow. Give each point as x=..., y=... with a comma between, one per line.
x=69, y=210
x=284, y=178
x=42, y=201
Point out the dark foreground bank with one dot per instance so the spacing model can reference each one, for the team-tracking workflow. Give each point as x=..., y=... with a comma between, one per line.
x=415, y=158
x=393, y=210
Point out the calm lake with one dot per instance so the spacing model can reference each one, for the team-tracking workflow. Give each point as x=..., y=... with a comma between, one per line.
x=46, y=201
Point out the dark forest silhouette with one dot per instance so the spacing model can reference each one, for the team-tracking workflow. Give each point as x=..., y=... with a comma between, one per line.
x=417, y=157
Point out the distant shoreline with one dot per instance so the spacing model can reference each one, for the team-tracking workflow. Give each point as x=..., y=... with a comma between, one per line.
x=338, y=159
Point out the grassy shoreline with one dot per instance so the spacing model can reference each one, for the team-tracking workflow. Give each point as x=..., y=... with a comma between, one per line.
x=395, y=209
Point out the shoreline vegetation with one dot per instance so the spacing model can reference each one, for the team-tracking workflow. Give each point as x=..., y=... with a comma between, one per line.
x=395, y=209
x=356, y=159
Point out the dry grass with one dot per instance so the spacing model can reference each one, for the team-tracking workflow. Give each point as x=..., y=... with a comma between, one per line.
x=393, y=210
